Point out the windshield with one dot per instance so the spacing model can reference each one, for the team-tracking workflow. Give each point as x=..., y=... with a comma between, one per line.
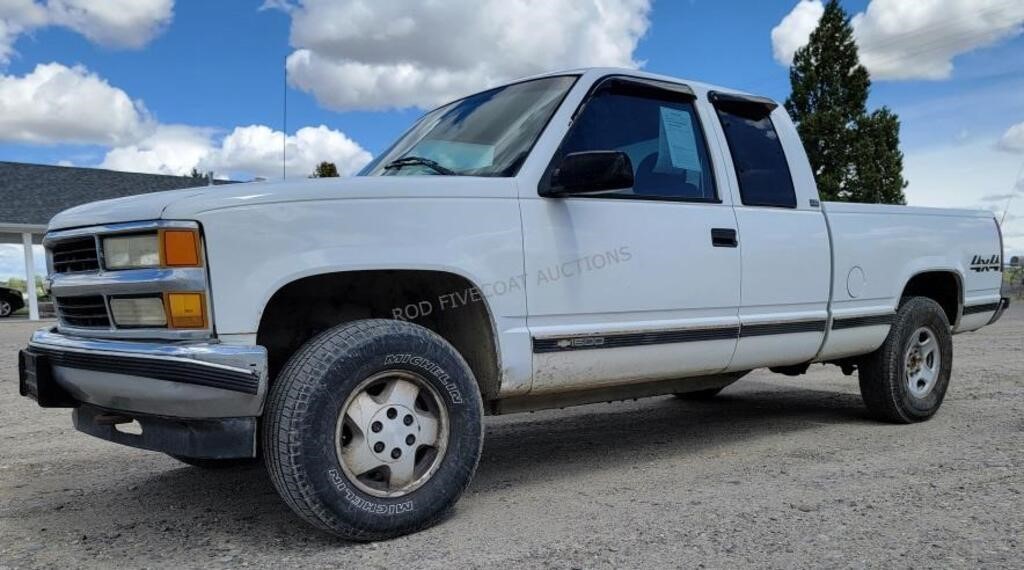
x=487, y=134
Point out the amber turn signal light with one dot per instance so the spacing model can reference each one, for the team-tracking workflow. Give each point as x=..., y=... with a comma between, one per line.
x=180, y=248
x=186, y=310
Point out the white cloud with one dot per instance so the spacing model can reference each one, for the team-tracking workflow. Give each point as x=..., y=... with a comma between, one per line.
x=246, y=152
x=54, y=103
x=282, y=5
x=1013, y=139
x=795, y=29
x=8, y=33
x=171, y=149
x=918, y=40
x=910, y=40
x=15, y=17
x=12, y=261
x=393, y=54
x=115, y=23
x=256, y=150
x=112, y=23
x=969, y=175
x=71, y=105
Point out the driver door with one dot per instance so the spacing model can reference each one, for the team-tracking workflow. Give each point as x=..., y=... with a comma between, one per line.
x=637, y=284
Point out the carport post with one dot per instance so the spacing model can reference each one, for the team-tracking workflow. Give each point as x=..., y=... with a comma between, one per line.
x=30, y=273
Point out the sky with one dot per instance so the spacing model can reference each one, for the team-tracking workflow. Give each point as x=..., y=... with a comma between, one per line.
x=167, y=86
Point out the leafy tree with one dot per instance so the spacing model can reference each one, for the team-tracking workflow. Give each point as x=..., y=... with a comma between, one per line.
x=855, y=155
x=325, y=170
x=21, y=284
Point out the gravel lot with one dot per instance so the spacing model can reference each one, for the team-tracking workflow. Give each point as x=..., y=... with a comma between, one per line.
x=777, y=472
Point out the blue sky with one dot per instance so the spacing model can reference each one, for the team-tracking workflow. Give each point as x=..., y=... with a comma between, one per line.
x=208, y=68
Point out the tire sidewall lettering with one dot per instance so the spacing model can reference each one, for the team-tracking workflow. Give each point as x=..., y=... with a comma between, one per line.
x=339, y=377
x=360, y=501
x=432, y=369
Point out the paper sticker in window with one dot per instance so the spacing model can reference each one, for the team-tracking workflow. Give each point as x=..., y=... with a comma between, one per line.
x=678, y=142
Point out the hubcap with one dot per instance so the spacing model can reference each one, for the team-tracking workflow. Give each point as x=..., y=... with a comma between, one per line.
x=5, y=308
x=922, y=362
x=391, y=433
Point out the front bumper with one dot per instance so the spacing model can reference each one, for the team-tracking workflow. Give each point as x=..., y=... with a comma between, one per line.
x=190, y=392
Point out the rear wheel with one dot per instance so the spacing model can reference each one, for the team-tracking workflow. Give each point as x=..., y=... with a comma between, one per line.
x=5, y=308
x=905, y=380
x=373, y=429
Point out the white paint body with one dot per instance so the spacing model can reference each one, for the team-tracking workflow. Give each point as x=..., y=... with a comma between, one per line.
x=790, y=265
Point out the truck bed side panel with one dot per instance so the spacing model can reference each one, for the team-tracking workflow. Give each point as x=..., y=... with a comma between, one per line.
x=878, y=249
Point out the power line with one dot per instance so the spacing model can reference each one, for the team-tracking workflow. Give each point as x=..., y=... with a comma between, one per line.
x=933, y=45
x=1016, y=188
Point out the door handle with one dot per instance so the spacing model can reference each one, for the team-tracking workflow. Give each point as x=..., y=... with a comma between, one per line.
x=723, y=237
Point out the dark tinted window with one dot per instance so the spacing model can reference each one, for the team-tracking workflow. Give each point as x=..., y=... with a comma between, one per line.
x=661, y=135
x=757, y=154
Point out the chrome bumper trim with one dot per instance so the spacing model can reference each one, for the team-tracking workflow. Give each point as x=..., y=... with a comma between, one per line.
x=216, y=380
x=129, y=282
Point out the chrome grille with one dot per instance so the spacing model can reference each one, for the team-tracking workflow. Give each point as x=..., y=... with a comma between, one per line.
x=72, y=255
x=83, y=312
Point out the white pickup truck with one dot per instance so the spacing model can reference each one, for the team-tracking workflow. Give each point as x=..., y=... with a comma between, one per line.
x=576, y=237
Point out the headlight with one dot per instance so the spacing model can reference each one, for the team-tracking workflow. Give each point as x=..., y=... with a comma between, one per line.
x=166, y=248
x=126, y=252
x=138, y=311
x=184, y=310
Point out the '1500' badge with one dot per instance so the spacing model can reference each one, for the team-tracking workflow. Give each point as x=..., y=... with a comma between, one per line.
x=581, y=342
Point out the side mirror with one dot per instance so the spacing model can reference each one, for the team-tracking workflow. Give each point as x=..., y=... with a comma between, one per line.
x=591, y=171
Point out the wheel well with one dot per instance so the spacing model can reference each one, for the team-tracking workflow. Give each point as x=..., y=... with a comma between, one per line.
x=943, y=287
x=445, y=303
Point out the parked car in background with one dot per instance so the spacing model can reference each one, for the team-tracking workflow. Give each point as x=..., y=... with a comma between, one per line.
x=577, y=237
x=11, y=300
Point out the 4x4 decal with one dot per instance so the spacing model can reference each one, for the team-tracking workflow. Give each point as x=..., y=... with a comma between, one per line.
x=991, y=263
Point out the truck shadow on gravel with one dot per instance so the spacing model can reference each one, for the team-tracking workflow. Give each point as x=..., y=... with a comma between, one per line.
x=628, y=435
x=220, y=510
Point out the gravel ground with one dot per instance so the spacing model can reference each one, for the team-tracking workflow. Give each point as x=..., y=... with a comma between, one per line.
x=777, y=472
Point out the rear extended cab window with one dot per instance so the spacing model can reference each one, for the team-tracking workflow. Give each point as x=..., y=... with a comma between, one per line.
x=761, y=166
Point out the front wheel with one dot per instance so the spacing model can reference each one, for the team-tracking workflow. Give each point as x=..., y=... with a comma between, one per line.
x=905, y=380
x=373, y=429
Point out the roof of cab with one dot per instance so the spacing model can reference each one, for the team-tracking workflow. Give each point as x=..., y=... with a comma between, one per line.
x=596, y=72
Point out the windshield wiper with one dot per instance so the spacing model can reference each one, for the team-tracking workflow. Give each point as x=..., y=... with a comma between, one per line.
x=419, y=161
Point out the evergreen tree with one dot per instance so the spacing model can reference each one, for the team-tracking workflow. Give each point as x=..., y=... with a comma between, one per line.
x=325, y=170
x=855, y=155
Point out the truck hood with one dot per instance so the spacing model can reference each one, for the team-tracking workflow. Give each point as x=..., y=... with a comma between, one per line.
x=188, y=203
x=127, y=209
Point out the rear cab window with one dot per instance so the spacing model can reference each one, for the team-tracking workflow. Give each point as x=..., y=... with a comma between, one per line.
x=757, y=154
